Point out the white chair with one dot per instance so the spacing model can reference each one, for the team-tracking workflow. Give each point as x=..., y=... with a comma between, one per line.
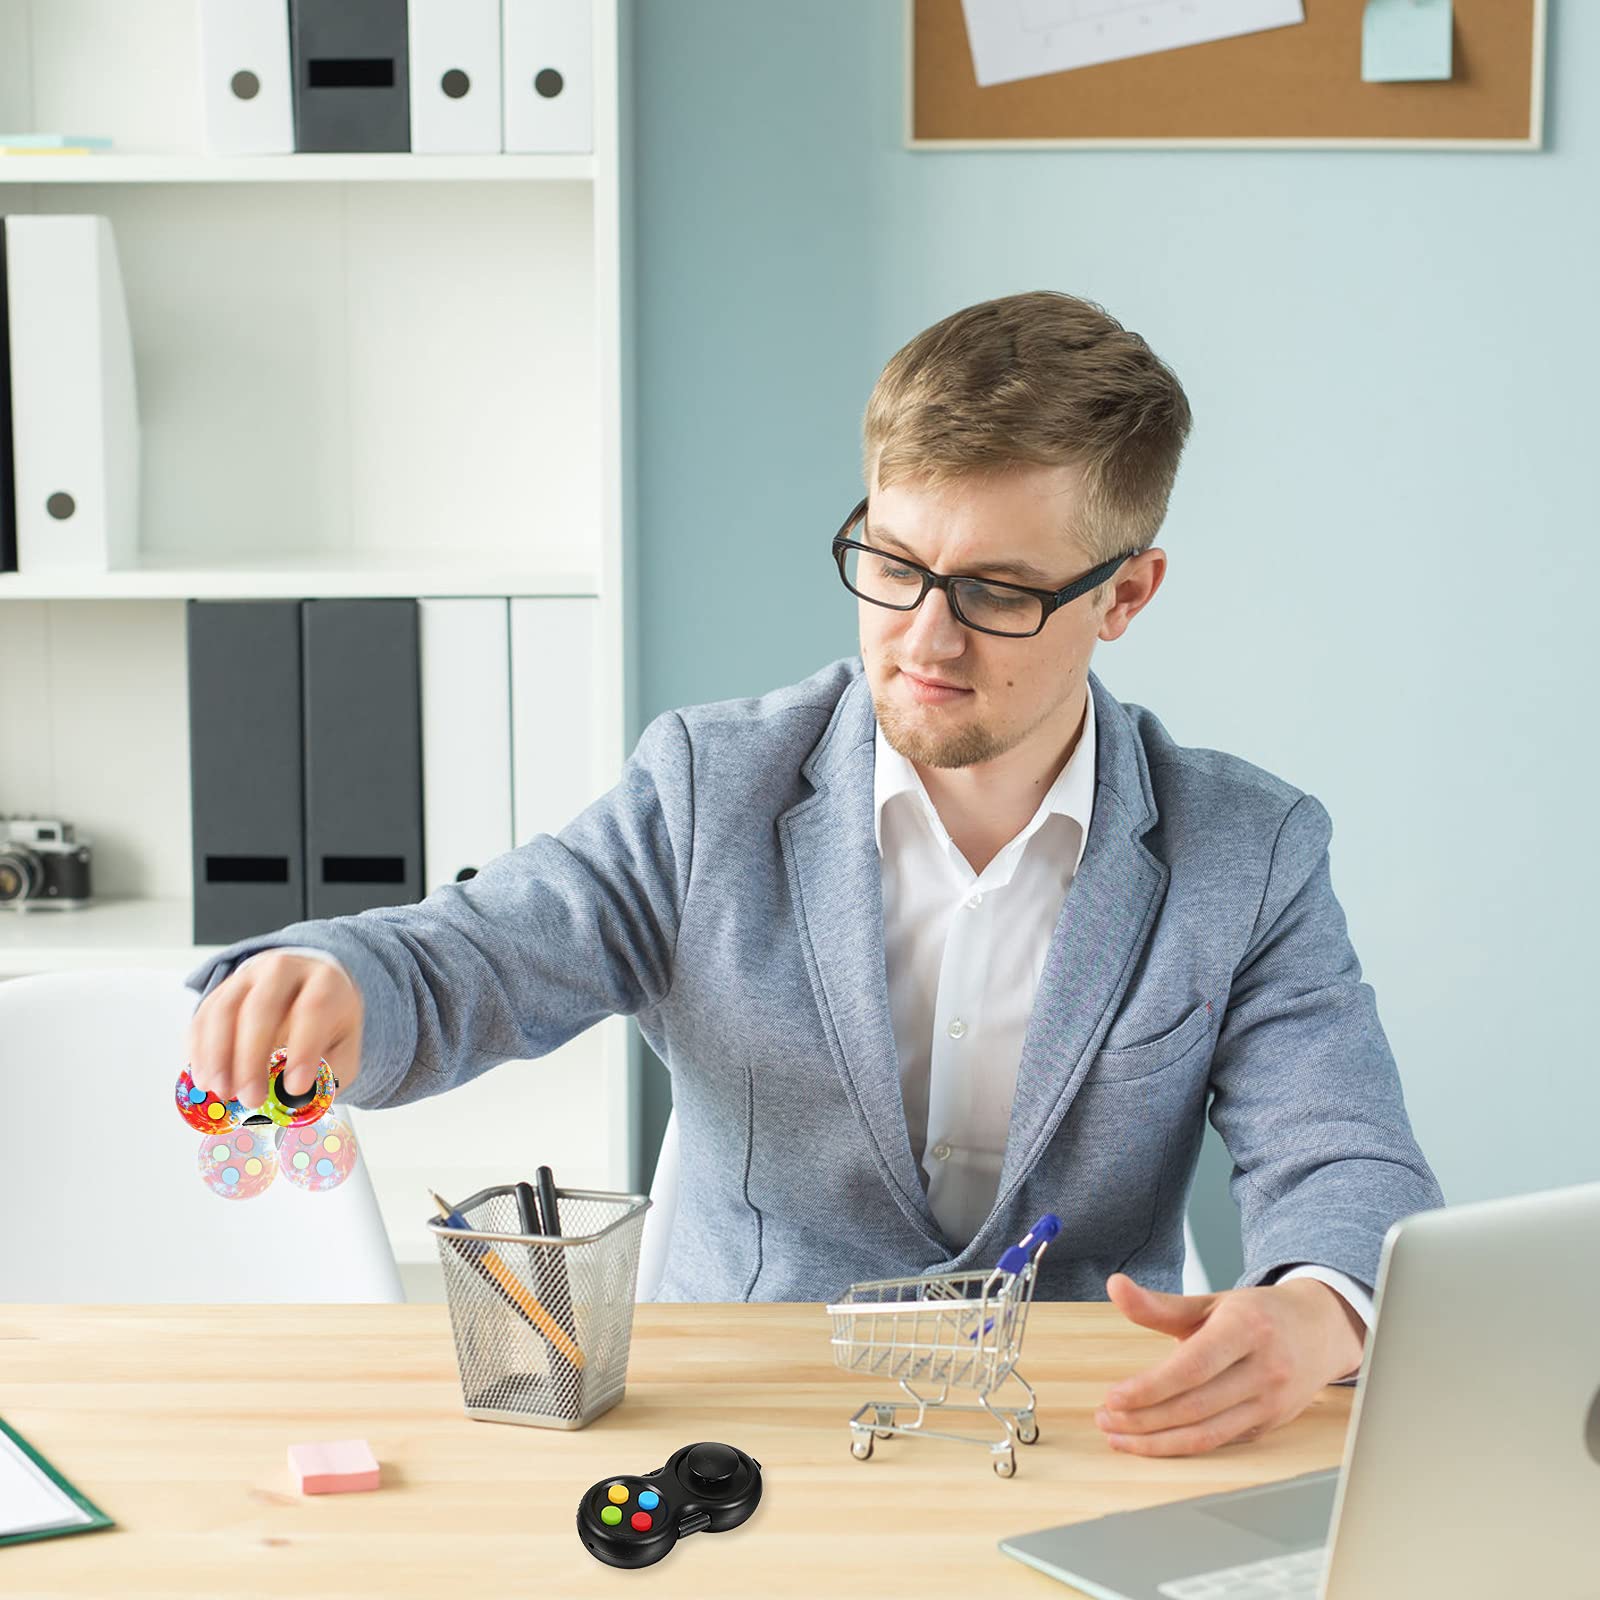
x=664, y=1199
x=102, y=1199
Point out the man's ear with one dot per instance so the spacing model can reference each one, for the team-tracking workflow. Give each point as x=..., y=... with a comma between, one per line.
x=1133, y=588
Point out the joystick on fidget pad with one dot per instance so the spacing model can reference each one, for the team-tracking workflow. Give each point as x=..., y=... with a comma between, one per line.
x=632, y=1522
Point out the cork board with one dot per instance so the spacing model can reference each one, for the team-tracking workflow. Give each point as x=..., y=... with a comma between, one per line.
x=1293, y=86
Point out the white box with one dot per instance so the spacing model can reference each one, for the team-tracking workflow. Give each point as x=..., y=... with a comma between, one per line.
x=246, y=80
x=548, y=52
x=455, y=76
x=555, y=660
x=465, y=649
x=74, y=403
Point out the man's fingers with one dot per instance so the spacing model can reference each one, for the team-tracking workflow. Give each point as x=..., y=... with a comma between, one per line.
x=318, y=1031
x=211, y=1032
x=1238, y=1422
x=261, y=1020
x=343, y=1056
x=1233, y=1386
x=1177, y=1314
x=1213, y=1349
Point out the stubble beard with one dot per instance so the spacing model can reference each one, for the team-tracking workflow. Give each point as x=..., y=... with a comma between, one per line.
x=961, y=747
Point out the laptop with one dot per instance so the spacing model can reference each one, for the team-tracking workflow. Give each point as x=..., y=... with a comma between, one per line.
x=1472, y=1461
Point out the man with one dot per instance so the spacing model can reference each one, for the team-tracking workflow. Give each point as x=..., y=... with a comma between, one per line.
x=942, y=938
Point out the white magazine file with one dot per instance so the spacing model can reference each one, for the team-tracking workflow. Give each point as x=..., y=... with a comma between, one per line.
x=541, y=37
x=246, y=78
x=555, y=656
x=465, y=650
x=74, y=402
x=455, y=76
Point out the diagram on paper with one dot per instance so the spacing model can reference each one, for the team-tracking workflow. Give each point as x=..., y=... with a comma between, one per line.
x=1013, y=39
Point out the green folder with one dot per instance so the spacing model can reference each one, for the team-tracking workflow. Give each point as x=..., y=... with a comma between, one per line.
x=28, y=1484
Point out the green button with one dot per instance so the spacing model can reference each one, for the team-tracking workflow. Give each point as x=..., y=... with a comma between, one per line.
x=611, y=1515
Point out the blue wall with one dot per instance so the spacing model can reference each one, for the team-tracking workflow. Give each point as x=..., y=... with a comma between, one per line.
x=1383, y=539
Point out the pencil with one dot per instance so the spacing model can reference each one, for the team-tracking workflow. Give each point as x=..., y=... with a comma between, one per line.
x=497, y=1272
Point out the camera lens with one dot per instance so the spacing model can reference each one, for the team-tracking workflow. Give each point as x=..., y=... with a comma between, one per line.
x=20, y=873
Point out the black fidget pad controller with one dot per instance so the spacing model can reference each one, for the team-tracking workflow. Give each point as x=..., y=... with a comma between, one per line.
x=632, y=1522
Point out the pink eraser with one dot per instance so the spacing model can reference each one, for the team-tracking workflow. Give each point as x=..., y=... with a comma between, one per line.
x=333, y=1468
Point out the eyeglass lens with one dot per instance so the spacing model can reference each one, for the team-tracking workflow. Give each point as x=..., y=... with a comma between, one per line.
x=880, y=578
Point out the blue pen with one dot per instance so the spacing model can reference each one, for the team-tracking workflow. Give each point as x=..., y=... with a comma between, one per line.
x=1016, y=1256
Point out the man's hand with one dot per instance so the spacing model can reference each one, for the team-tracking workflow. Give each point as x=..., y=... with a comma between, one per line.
x=297, y=1003
x=1248, y=1361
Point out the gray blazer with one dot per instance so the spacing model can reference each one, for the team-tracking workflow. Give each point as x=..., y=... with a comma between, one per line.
x=727, y=893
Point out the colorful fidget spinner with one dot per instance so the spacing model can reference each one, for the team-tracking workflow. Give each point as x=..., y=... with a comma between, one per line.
x=241, y=1150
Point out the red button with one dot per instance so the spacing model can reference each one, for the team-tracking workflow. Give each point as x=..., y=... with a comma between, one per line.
x=641, y=1522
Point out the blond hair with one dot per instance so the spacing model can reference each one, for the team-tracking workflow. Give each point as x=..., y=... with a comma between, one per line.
x=1038, y=378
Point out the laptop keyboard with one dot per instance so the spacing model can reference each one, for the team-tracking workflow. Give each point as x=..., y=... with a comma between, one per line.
x=1273, y=1579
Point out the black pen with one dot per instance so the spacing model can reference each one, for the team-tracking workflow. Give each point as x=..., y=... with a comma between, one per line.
x=527, y=1209
x=551, y=1261
x=547, y=1202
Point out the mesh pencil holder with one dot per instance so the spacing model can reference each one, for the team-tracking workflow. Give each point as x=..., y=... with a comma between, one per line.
x=542, y=1324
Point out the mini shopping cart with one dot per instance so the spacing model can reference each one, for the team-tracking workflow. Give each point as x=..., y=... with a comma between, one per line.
x=957, y=1330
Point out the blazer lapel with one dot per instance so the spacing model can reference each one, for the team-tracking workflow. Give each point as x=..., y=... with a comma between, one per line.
x=837, y=886
x=1110, y=907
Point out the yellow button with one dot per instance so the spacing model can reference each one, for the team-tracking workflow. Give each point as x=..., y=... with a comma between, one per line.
x=618, y=1493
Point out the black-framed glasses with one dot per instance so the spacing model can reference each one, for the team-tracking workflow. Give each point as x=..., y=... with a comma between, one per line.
x=987, y=605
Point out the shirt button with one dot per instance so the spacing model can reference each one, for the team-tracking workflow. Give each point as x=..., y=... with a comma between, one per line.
x=941, y=1152
x=975, y=901
x=957, y=1028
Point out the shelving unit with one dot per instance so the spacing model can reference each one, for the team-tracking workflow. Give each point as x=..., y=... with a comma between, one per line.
x=111, y=933
x=359, y=376
x=305, y=577
x=109, y=167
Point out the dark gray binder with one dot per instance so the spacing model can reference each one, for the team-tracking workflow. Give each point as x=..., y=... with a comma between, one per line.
x=8, y=481
x=246, y=776
x=363, y=723
x=351, y=74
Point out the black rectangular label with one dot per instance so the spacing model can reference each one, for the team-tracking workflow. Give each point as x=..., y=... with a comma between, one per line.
x=363, y=869
x=247, y=869
x=351, y=72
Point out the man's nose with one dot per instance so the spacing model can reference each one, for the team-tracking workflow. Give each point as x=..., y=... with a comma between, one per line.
x=935, y=634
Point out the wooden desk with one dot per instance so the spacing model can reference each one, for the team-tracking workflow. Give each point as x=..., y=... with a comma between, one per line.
x=177, y=1419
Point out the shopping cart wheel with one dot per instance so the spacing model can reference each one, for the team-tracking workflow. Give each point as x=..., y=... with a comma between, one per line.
x=861, y=1448
x=1027, y=1431
x=1005, y=1465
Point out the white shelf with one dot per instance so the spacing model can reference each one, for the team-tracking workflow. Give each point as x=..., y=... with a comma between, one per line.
x=310, y=576
x=110, y=933
x=395, y=168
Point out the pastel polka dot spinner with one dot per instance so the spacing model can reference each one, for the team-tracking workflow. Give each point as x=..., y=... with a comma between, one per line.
x=238, y=1164
x=202, y=1110
x=313, y=1110
x=319, y=1157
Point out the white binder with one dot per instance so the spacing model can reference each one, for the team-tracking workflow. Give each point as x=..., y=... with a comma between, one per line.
x=466, y=735
x=74, y=405
x=455, y=76
x=548, y=50
x=555, y=661
x=246, y=81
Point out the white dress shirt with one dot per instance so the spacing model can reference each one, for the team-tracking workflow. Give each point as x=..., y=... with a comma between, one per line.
x=964, y=952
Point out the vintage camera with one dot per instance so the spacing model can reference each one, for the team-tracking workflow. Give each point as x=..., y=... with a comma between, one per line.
x=43, y=864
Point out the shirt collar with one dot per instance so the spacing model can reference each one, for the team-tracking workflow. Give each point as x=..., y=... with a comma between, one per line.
x=1071, y=795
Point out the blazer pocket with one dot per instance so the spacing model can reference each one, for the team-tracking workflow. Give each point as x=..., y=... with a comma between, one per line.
x=1156, y=1055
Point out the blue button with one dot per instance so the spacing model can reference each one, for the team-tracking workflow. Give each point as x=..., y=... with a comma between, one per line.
x=649, y=1500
